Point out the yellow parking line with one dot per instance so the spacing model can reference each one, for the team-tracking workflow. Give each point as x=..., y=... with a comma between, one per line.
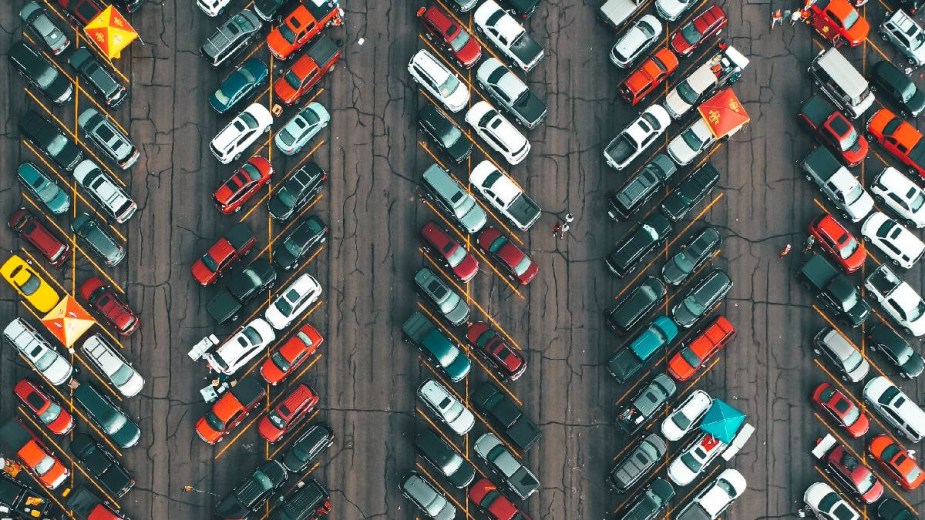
x=288, y=174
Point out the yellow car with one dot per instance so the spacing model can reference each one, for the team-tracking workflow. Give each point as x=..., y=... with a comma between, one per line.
x=29, y=284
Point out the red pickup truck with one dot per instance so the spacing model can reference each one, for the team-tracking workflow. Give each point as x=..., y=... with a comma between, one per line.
x=228, y=249
x=834, y=130
x=307, y=71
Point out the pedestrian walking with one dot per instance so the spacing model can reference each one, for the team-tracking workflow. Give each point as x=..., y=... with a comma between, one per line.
x=556, y=229
x=565, y=228
x=777, y=18
x=785, y=251
x=809, y=243
x=569, y=217
x=796, y=17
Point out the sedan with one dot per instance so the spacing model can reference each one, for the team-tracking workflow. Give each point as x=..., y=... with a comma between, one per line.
x=48, y=411
x=103, y=299
x=841, y=409
x=635, y=41
x=450, y=252
x=446, y=406
x=692, y=256
x=293, y=301
x=303, y=126
x=32, y=231
x=500, y=135
x=715, y=498
x=40, y=73
x=898, y=243
x=892, y=509
x=690, y=143
x=848, y=470
x=30, y=286
x=43, y=187
x=50, y=140
x=231, y=196
x=507, y=361
x=701, y=298
x=882, y=339
x=37, y=22
x=892, y=84
x=297, y=243
x=489, y=499
x=899, y=193
x=830, y=344
x=306, y=449
x=686, y=416
x=296, y=191
x=292, y=354
x=694, y=459
x=239, y=85
x=427, y=497
x=825, y=503
x=448, y=35
x=497, y=246
x=705, y=25
x=444, y=132
x=671, y=10
x=838, y=242
x=896, y=462
x=291, y=410
x=445, y=458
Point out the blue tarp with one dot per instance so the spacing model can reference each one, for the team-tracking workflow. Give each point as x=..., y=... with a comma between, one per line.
x=722, y=421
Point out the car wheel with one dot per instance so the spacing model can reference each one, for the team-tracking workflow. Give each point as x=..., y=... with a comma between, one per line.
x=912, y=62
x=913, y=172
x=884, y=37
x=872, y=88
x=807, y=177
x=895, y=262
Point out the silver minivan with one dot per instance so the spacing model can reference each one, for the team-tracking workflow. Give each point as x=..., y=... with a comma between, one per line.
x=449, y=302
x=453, y=199
x=841, y=82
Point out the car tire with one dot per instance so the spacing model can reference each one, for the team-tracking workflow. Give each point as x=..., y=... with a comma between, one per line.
x=913, y=172
x=912, y=62
x=883, y=36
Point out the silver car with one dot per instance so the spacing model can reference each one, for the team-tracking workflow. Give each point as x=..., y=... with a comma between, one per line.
x=840, y=352
x=117, y=370
x=38, y=22
x=231, y=37
x=449, y=302
x=303, y=126
x=906, y=35
x=635, y=41
x=38, y=352
x=105, y=191
x=108, y=137
x=446, y=406
x=427, y=497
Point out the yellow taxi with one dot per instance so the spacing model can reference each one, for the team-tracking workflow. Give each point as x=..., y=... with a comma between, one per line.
x=29, y=284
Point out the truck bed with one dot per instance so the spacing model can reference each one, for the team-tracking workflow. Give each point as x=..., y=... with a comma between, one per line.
x=524, y=211
x=816, y=111
x=882, y=282
x=621, y=148
x=416, y=327
x=818, y=272
x=821, y=165
x=239, y=236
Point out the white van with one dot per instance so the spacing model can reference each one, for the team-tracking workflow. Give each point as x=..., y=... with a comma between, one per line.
x=841, y=82
x=896, y=408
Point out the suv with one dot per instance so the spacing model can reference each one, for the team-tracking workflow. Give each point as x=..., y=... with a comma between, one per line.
x=102, y=464
x=427, y=497
x=296, y=191
x=36, y=20
x=688, y=38
x=446, y=34
x=310, y=232
x=311, y=502
x=231, y=37
x=651, y=502
x=899, y=300
x=294, y=407
x=457, y=470
x=108, y=138
x=640, y=242
x=498, y=132
x=689, y=192
x=894, y=85
x=308, y=447
x=40, y=73
x=38, y=352
x=450, y=304
x=906, y=35
x=97, y=75
x=841, y=353
x=641, y=187
x=119, y=372
x=899, y=193
x=50, y=140
x=439, y=81
x=241, y=132
x=444, y=191
x=902, y=246
x=252, y=493
x=881, y=338
x=640, y=460
x=293, y=353
x=105, y=191
x=444, y=132
x=292, y=301
x=444, y=404
x=508, y=35
x=500, y=410
x=107, y=416
x=645, y=403
x=32, y=230
x=436, y=346
x=635, y=41
x=509, y=91
x=691, y=256
x=635, y=305
x=637, y=137
x=701, y=298
x=896, y=408
x=513, y=473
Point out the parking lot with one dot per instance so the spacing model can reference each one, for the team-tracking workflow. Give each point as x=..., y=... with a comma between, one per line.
x=365, y=374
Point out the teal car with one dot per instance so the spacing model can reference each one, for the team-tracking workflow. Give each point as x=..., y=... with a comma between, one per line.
x=41, y=185
x=239, y=84
x=418, y=329
x=631, y=359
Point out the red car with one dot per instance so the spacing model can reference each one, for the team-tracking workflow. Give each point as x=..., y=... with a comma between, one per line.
x=49, y=411
x=900, y=138
x=288, y=413
x=107, y=302
x=897, y=462
x=82, y=11
x=701, y=349
x=496, y=506
x=230, y=410
x=23, y=222
x=515, y=261
x=652, y=73
x=300, y=26
x=490, y=345
x=841, y=409
x=228, y=249
x=233, y=193
x=834, y=130
x=851, y=473
x=452, y=254
x=704, y=26
x=838, y=243
x=307, y=71
x=449, y=36
x=291, y=355
x=839, y=22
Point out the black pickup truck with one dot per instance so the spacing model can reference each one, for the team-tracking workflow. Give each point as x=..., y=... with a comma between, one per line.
x=689, y=192
x=241, y=287
x=18, y=500
x=835, y=289
x=501, y=410
x=101, y=464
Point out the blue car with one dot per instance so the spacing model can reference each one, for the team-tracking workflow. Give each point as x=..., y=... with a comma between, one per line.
x=239, y=84
x=631, y=359
x=42, y=186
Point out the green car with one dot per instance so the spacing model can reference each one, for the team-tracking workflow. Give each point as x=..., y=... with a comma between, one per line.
x=98, y=239
x=41, y=185
x=436, y=346
x=120, y=429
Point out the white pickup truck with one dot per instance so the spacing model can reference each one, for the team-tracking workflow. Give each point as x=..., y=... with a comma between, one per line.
x=838, y=184
x=505, y=195
x=898, y=299
x=616, y=12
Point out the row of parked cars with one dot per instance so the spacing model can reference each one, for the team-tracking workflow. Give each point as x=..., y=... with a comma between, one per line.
x=647, y=338
x=496, y=477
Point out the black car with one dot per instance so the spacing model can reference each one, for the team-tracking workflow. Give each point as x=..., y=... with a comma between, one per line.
x=305, y=450
x=640, y=242
x=101, y=80
x=896, y=349
x=689, y=192
x=296, y=191
x=252, y=492
x=40, y=73
x=445, y=133
x=691, y=256
x=635, y=305
x=102, y=464
x=710, y=289
x=107, y=416
x=307, y=234
x=311, y=502
x=640, y=188
x=50, y=139
x=892, y=509
x=651, y=502
x=240, y=288
x=445, y=458
x=895, y=86
x=519, y=8
x=269, y=10
x=98, y=240
x=504, y=413
x=129, y=6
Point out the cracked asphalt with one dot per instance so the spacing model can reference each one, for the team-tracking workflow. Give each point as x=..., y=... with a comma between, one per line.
x=366, y=376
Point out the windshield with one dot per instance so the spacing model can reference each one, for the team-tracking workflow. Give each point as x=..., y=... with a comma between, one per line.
x=691, y=139
x=287, y=33
x=456, y=257
x=694, y=306
x=283, y=304
x=691, y=462
x=222, y=97
x=31, y=284
x=683, y=262
x=115, y=424
x=123, y=375
x=276, y=420
x=51, y=413
x=214, y=422
x=293, y=79
x=252, y=335
x=522, y=266
x=44, y=465
x=46, y=77
x=917, y=201
x=852, y=19
x=46, y=360
x=281, y=362
x=854, y=194
x=848, y=248
x=918, y=311
x=210, y=262
x=451, y=136
x=286, y=197
x=449, y=86
x=460, y=41
x=691, y=34
x=688, y=94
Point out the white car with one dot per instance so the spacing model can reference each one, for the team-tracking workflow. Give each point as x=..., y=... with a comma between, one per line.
x=303, y=126
x=506, y=33
x=511, y=93
x=689, y=144
x=500, y=134
x=903, y=196
x=438, y=80
x=244, y=346
x=505, y=195
x=896, y=408
x=827, y=504
x=105, y=191
x=38, y=352
x=715, y=498
x=117, y=370
x=293, y=301
x=635, y=138
x=241, y=132
x=634, y=42
x=686, y=417
x=896, y=242
x=695, y=458
x=671, y=10
x=690, y=90
x=212, y=8
x=443, y=403
x=898, y=299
